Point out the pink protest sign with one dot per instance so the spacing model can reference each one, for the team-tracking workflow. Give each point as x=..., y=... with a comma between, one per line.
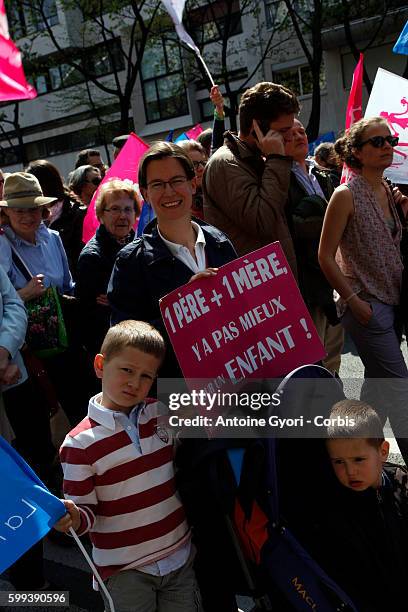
x=248, y=321
x=125, y=166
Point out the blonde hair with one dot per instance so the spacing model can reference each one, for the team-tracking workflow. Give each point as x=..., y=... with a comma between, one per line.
x=134, y=334
x=359, y=420
x=116, y=184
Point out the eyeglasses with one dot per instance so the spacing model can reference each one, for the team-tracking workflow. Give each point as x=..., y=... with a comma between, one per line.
x=175, y=183
x=116, y=210
x=95, y=181
x=197, y=164
x=379, y=141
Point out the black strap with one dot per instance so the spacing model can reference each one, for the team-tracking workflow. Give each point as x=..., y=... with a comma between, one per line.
x=20, y=265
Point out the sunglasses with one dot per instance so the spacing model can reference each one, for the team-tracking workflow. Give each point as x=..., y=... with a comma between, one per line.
x=197, y=164
x=379, y=141
x=95, y=181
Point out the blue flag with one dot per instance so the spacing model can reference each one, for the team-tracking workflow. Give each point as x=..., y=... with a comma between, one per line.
x=27, y=509
x=146, y=216
x=182, y=136
x=328, y=137
x=169, y=137
x=401, y=46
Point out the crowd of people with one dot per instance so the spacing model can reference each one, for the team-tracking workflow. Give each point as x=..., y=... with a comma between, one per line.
x=212, y=200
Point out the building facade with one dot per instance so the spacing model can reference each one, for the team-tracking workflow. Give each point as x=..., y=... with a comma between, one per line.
x=71, y=113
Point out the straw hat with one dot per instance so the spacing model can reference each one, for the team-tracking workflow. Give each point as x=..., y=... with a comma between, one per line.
x=22, y=190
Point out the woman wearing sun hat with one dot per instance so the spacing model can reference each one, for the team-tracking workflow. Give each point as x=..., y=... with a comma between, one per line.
x=26, y=238
x=23, y=210
x=25, y=407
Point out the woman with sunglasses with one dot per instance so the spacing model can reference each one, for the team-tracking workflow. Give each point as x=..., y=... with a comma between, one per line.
x=84, y=181
x=360, y=255
x=198, y=156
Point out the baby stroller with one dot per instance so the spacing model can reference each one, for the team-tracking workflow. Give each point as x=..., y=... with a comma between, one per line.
x=236, y=486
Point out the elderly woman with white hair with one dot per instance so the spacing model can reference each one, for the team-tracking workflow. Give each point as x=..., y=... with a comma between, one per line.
x=117, y=206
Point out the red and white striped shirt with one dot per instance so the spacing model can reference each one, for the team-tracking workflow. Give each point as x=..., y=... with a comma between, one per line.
x=126, y=496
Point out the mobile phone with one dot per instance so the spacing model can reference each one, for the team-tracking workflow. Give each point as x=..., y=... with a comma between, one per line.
x=263, y=126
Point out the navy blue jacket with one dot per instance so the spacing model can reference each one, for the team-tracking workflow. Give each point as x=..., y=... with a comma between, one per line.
x=94, y=270
x=145, y=271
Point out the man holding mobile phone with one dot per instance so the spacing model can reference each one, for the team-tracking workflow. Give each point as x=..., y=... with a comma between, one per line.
x=246, y=181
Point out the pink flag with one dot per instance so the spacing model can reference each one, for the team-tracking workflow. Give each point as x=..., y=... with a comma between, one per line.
x=354, y=110
x=13, y=84
x=194, y=132
x=355, y=102
x=125, y=166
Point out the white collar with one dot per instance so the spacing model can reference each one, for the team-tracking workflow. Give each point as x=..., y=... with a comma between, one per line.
x=105, y=416
x=174, y=247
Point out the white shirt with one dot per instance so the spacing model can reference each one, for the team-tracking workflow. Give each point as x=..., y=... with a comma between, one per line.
x=183, y=254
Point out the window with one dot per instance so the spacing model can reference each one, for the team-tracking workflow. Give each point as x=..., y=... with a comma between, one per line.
x=93, y=8
x=64, y=143
x=163, y=79
x=104, y=58
x=207, y=23
x=16, y=19
x=41, y=83
x=299, y=79
x=275, y=13
x=49, y=8
x=207, y=107
x=239, y=74
x=25, y=19
x=69, y=75
x=99, y=61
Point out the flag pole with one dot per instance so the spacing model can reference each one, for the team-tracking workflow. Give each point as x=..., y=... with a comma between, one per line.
x=93, y=568
x=204, y=65
x=175, y=9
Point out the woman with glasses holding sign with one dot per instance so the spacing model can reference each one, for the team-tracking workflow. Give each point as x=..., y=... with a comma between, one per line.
x=173, y=250
x=360, y=255
x=117, y=206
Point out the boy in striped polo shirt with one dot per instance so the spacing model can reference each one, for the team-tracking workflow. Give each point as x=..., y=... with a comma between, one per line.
x=119, y=481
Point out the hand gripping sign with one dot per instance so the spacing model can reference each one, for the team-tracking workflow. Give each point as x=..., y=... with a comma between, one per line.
x=249, y=321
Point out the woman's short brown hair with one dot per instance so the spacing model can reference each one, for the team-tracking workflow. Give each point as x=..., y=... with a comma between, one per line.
x=116, y=184
x=163, y=150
